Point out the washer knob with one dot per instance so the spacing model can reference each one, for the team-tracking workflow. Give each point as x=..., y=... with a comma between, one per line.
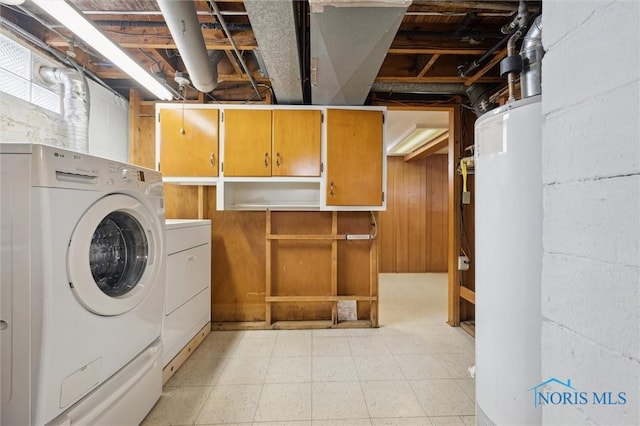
x=125, y=174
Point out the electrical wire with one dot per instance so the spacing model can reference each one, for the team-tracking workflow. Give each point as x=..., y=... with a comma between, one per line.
x=374, y=223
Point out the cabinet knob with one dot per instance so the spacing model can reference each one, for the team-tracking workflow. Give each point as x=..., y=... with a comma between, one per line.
x=266, y=159
x=277, y=159
x=332, y=189
x=212, y=159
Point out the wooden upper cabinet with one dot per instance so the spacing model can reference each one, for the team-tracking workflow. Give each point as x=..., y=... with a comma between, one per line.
x=247, y=142
x=354, y=157
x=189, y=142
x=296, y=142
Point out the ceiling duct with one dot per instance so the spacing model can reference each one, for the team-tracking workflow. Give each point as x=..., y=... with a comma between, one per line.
x=349, y=41
x=274, y=27
x=183, y=23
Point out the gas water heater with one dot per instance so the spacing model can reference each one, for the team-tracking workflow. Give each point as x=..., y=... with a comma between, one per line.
x=508, y=232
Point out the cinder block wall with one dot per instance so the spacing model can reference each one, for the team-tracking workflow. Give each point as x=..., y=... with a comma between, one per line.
x=591, y=228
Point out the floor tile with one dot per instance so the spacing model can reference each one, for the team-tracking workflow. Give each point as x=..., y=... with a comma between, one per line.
x=348, y=376
x=447, y=421
x=457, y=365
x=391, y=399
x=244, y=371
x=341, y=422
x=421, y=366
x=330, y=346
x=198, y=372
x=378, y=367
x=368, y=345
x=442, y=397
x=254, y=347
x=329, y=332
x=333, y=369
x=338, y=400
x=469, y=420
x=296, y=397
x=292, y=346
x=177, y=405
x=229, y=404
x=289, y=370
x=468, y=386
x=216, y=347
x=400, y=345
x=401, y=421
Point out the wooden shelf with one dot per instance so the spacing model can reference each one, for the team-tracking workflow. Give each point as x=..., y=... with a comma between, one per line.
x=328, y=242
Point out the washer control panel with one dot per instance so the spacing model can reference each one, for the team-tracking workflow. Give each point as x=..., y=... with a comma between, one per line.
x=67, y=169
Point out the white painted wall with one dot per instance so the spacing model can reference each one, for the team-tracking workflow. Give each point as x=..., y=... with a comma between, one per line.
x=591, y=228
x=21, y=121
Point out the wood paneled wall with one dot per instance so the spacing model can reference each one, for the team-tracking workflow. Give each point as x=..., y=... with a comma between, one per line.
x=413, y=229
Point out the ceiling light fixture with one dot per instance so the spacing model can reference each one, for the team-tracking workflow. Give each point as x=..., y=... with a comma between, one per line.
x=414, y=138
x=74, y=20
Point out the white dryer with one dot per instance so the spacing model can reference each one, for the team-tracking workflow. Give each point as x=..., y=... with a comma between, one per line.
x=83, y=270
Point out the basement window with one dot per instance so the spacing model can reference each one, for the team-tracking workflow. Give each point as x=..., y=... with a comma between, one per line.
x=18, y=77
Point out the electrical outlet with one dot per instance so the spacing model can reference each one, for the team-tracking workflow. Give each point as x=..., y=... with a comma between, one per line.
x=463, y=263
x=358, y=237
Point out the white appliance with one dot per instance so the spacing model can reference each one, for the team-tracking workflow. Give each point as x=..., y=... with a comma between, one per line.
x=83, y=269
x=508, y=246
x=188, y=297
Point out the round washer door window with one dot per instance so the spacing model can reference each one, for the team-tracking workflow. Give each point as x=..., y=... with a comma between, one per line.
x=112, y=255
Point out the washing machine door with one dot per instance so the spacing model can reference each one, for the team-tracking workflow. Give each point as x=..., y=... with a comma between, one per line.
x=113, y=256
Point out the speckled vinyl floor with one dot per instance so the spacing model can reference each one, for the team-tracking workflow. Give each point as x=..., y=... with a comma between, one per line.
x=410, y=371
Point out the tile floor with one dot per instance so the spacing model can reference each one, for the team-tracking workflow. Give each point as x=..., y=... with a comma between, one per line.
x=410, y=371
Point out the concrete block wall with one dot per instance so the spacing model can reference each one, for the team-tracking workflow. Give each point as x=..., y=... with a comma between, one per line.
x=591, y=201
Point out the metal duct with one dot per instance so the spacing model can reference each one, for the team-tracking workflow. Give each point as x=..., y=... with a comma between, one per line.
x=478, y=94
x=275, y=30
x=532, y=53
x=183, y=23
x=76, y=110
x=348, y=45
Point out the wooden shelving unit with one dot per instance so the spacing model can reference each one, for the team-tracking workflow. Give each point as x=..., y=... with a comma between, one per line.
x=318, y=243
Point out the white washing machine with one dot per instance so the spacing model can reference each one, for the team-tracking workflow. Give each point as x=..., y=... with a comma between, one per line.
x=83, y=269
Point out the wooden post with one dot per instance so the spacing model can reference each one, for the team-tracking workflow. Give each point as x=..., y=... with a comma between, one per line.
x=453, y=220
x=267, y=305
x=334, y=267
x=134, y=124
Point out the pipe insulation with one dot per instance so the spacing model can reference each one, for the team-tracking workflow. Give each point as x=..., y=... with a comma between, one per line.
x=75, y=104
x=532, y=53
x=183, y=23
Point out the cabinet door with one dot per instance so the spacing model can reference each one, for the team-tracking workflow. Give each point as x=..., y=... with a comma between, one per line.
x=296, y=143
x=189, y=142
x=247, y=142
x=354, y=157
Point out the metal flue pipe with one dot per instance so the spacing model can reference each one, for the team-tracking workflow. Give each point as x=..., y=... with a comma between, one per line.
x=532, y=53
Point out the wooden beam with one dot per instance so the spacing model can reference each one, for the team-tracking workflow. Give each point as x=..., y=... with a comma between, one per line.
x=169, y=69
x=428, y=149
x=429, y=64
x=147, y=41
x=334, y=267
x=434, y=51
x=480, y=74
x=234, y=63
x=306, y=237
x=435, y=80
x=134, y=124
x=285, y=299
x=467, y=294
